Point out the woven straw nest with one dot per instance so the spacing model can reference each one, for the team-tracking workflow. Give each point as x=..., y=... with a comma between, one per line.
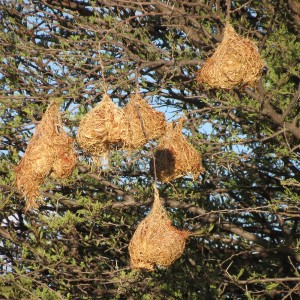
x=174, y=156
x=103, y=128
x=145, y=123
x=50, y=152
x=235, y=63
x=156, y=242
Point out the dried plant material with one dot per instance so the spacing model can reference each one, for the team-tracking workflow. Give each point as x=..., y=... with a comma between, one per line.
x=156, y=242
x=65, y=160
x=28, y=182
x=48, y=144
x=235, y=63
x=145, y=123
x=38, y=159
x=103, y=128
x=175, y=157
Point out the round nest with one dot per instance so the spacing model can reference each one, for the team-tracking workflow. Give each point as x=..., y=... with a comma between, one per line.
x=235, y=63
x=103, y=128
x=175, y=157
x=48, y=143
x=145, y=123
x=156, y=242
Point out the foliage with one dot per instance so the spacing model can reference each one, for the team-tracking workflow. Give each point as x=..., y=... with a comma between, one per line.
x=243, y=211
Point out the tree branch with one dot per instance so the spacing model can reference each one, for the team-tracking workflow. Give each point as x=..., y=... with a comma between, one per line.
x=71, y=5
x=4, y=233
x=277, y=118
x=260, y=280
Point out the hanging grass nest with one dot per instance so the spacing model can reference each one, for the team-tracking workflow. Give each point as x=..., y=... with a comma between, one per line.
x=145, y=123
x=235, y=63
x=156, y=242
x=44, y=155
x=103, y=128
x=174, y=156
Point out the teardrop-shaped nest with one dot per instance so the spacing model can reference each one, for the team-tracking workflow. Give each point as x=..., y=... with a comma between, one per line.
x=156, y=242
x=235, y=63
x=175, y=156
x=103, y=128
x=48, y=143
x=145, y=123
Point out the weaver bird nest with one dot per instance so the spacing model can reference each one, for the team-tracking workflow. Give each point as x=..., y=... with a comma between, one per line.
x=145, y=123
x=235, y=63
x=175, y=156
x=49, y=152
x=156, y=242
x=103, y=128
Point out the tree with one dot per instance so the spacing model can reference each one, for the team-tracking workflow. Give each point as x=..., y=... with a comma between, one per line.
x=243, y=211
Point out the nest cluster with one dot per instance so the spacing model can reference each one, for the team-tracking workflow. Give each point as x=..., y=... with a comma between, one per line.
x=50, y=152
x=156, y=242
x=107, y=127
x=235, y=63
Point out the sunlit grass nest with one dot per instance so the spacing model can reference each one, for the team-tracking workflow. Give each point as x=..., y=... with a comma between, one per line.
x=145, y=123
x=103, y=128
x=156, y=242
x=175, y=156
x=45, y=154
x=235, y=63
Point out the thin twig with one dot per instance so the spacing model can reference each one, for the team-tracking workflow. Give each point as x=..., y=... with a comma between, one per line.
x=260, y=280
x=228, y=5
x=147, y=139
x=102, y=68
